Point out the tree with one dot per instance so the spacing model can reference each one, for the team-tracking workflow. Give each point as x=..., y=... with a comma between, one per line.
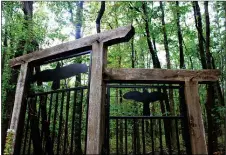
x=77, y=25
x=24, y=44
x=155, y=59
x=100, y=14
x=198, y=24
x=180, y=38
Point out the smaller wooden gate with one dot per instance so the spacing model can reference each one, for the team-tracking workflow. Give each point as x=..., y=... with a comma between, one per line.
x=128, y=131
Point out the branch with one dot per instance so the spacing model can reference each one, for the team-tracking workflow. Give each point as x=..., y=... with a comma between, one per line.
x=100, y=14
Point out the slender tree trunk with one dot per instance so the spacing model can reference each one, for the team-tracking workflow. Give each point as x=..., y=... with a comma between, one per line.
x=192, y=66
x=155, y=59
x=132, y=53
x=212, y=132
x=35, y=132
x=30, y=46
x=172, y=137
x=208, y=56
x=165, y=36
x=198, y=24
x=77, y=25
x=10, y=94
x=100, y=14
x=5, y=46
x=180, y=38
x=225, y=67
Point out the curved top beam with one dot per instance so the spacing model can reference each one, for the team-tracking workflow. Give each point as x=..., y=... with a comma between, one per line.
x=115, y=36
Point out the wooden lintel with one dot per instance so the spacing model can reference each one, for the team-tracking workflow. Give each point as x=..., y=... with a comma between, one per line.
x=110, y=37
x=196, y=126
x=160, y=75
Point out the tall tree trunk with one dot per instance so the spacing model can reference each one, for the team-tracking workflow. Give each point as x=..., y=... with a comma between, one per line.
x=208, y=56
x=198, y=24
x=100, y=14
x=133, y=56
x=172, y=137
x=165, y=36
x=31, y=45
x=212, y=132
x=77, y=25
x=8, y=104
x=180, y=38
x=10, y=94
x=155, y=59
x=5, y=46
x=224, y=3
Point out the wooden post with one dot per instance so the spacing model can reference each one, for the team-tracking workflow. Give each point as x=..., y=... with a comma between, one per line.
x=95, y=129
x=18, y=104
x=196, y=127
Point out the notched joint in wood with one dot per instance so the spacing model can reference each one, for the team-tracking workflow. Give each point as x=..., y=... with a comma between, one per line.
x=23, y=61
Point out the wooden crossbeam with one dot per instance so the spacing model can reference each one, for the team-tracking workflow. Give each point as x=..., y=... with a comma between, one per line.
x=160, y=75
x=110, y=37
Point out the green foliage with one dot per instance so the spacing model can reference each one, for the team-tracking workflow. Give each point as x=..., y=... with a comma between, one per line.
x=54, y=23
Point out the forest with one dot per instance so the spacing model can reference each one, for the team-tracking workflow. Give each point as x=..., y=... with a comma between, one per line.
x=168, y=35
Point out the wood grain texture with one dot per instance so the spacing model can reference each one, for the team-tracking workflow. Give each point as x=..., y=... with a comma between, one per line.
x=196, y=126
x=19, y=99
x=110, y=37
x=95, y=129
x=160, y=75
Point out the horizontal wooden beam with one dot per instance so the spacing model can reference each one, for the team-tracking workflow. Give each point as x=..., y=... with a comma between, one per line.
x=160, y=75
x=110, y=37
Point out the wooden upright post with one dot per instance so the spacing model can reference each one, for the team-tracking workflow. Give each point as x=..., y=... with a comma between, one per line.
x=18, y=104
x=95, y=129
x=196, y=126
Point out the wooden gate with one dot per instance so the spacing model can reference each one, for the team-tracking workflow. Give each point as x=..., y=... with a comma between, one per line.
x=130, y=131
x=100, y=75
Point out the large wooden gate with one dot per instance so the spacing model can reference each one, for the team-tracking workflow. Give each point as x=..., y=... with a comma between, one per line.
x=100, y=75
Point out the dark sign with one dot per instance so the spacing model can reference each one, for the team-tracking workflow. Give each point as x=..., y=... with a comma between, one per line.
x=59, y=73
x=145, y=97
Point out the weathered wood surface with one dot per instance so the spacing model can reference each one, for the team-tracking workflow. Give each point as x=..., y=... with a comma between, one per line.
x=196, y=126
x=110, y=37
x=19, y=100
x=160, y=75
x=95, y=129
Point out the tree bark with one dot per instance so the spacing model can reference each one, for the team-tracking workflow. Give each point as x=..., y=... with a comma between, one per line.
x=207, y=36
x=133, y=56
x=210, y=104
x=78, y=26
x=5, y=45
x=180, y=38
x=10, y=94
x=100, y=14
x=35, y=132
x=170, y=105
x=198, y=24
x=155, y=59
x=165, y=36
